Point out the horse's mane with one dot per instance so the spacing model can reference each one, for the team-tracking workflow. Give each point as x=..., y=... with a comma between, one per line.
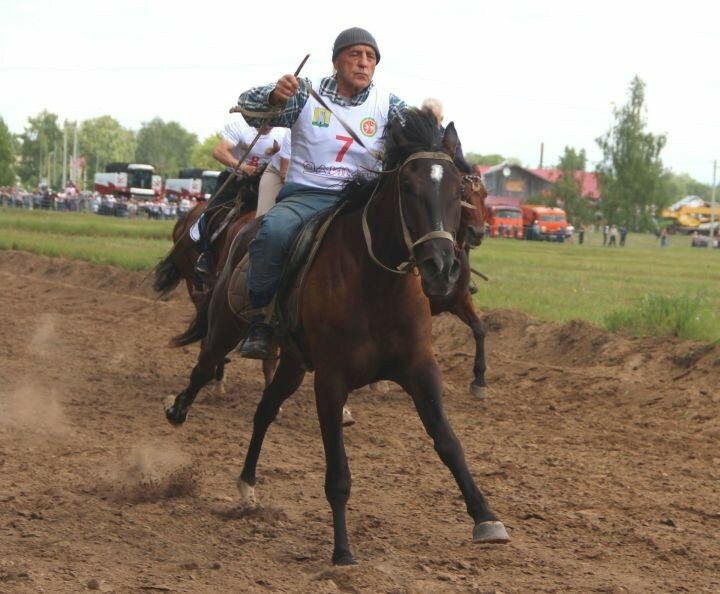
x=419, y=133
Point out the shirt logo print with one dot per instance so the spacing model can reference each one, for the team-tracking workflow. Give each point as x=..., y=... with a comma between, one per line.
x=368, y=127
x=321, y=117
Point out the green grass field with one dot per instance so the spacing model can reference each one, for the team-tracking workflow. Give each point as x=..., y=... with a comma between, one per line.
x=135, y=244
x=604, y=285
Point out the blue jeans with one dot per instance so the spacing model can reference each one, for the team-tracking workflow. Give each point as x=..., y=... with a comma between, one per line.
x=270, y=248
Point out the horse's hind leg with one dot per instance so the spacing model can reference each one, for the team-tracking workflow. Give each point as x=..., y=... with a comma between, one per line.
x=424, y=384
x=287, y=379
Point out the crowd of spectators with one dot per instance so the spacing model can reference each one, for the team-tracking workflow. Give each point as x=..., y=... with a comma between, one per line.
x=72, y=200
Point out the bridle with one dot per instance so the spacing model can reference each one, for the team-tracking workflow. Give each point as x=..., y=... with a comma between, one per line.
x=410, y=264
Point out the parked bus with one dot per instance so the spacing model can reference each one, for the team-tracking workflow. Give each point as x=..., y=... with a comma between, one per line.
x=129, y=180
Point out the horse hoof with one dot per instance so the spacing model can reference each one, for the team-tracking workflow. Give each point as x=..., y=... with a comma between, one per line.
x=347, y=418
x=247, y=492
x=174, y=415
x=343, y=559
x=490, y=532
x=479, y=392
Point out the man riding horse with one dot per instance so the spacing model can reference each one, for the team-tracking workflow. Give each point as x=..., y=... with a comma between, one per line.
x=244, y=151
x=326, y=151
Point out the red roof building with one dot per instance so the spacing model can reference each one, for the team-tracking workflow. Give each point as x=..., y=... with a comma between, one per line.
x=513, y=185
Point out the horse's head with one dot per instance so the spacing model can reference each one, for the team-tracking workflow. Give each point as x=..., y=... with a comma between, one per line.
x=474, y=212
x=429, y=190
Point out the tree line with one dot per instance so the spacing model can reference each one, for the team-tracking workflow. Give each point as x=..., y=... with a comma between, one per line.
x=633, y=182
x=36, y=155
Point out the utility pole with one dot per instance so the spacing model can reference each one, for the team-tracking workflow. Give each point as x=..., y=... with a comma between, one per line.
x=64, y=161
x=54, y=163
x=74, y=174
x=712, y=208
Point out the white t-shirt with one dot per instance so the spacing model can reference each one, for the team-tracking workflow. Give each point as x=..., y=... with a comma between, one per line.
x=324, y=155
x=284, y=151
x=241, y=135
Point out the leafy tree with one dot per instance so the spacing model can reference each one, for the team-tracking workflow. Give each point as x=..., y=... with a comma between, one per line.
x=103, y=140
x=572, y=160
x=167, y=146
x=631, y=172
x=478, y=159
x=679, y=186
x=42, y=145
x=7, y=156
x=201, y=155
x=567, y=190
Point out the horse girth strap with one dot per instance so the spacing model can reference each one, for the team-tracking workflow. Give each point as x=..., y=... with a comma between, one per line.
x=407, y=266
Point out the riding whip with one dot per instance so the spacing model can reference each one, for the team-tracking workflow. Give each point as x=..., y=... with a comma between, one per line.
x=237, y=165
x=236, y=109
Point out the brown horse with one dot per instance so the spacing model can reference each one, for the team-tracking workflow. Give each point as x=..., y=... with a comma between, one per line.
x=459, y=302
x=179, y=264
x=364, y=316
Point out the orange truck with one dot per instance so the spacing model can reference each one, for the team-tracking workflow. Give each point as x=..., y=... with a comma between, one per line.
x=544, y=223
x=505, y=221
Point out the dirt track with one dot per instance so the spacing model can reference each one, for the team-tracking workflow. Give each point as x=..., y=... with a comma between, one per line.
x=599, y=453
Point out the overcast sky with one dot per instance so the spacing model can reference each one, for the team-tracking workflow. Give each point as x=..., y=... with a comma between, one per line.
x=518, y=77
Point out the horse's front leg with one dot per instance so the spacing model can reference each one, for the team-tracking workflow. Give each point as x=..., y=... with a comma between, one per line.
x=223, y=335
x=203, y=371
x=465, y=310
x=329, y=400
x=286, y=380
x=424, y=385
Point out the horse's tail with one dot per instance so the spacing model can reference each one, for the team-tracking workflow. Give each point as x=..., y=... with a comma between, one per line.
x=198, y=328
x=167, y=276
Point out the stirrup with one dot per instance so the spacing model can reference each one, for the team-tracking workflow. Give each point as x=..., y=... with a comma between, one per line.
x=259, y=341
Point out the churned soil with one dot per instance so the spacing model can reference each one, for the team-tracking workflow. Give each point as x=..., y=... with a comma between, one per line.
x=599, y=452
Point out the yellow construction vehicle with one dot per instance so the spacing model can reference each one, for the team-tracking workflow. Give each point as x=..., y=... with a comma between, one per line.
x=692, y=213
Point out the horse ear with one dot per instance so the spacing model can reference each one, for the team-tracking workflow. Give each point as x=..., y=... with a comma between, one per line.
x=450, y=139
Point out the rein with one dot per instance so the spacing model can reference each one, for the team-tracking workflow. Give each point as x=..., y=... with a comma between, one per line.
x=407, y=266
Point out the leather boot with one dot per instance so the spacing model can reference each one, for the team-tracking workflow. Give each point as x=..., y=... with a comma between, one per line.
x=258, y=344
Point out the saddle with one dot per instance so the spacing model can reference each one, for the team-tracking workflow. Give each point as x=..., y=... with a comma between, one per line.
x=288, y=300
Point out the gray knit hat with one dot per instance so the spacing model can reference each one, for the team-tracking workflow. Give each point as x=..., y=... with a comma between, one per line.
x=354, y=36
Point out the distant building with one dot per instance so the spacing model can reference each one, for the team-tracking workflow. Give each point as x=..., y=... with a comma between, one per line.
x=512, y=184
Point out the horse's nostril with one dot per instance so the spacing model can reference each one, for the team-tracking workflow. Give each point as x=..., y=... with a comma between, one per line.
x=433, y=266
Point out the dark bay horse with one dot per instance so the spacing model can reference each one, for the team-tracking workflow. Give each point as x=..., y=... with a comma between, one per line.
x=364, y=315
x=459, y=301
x=179, y=264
